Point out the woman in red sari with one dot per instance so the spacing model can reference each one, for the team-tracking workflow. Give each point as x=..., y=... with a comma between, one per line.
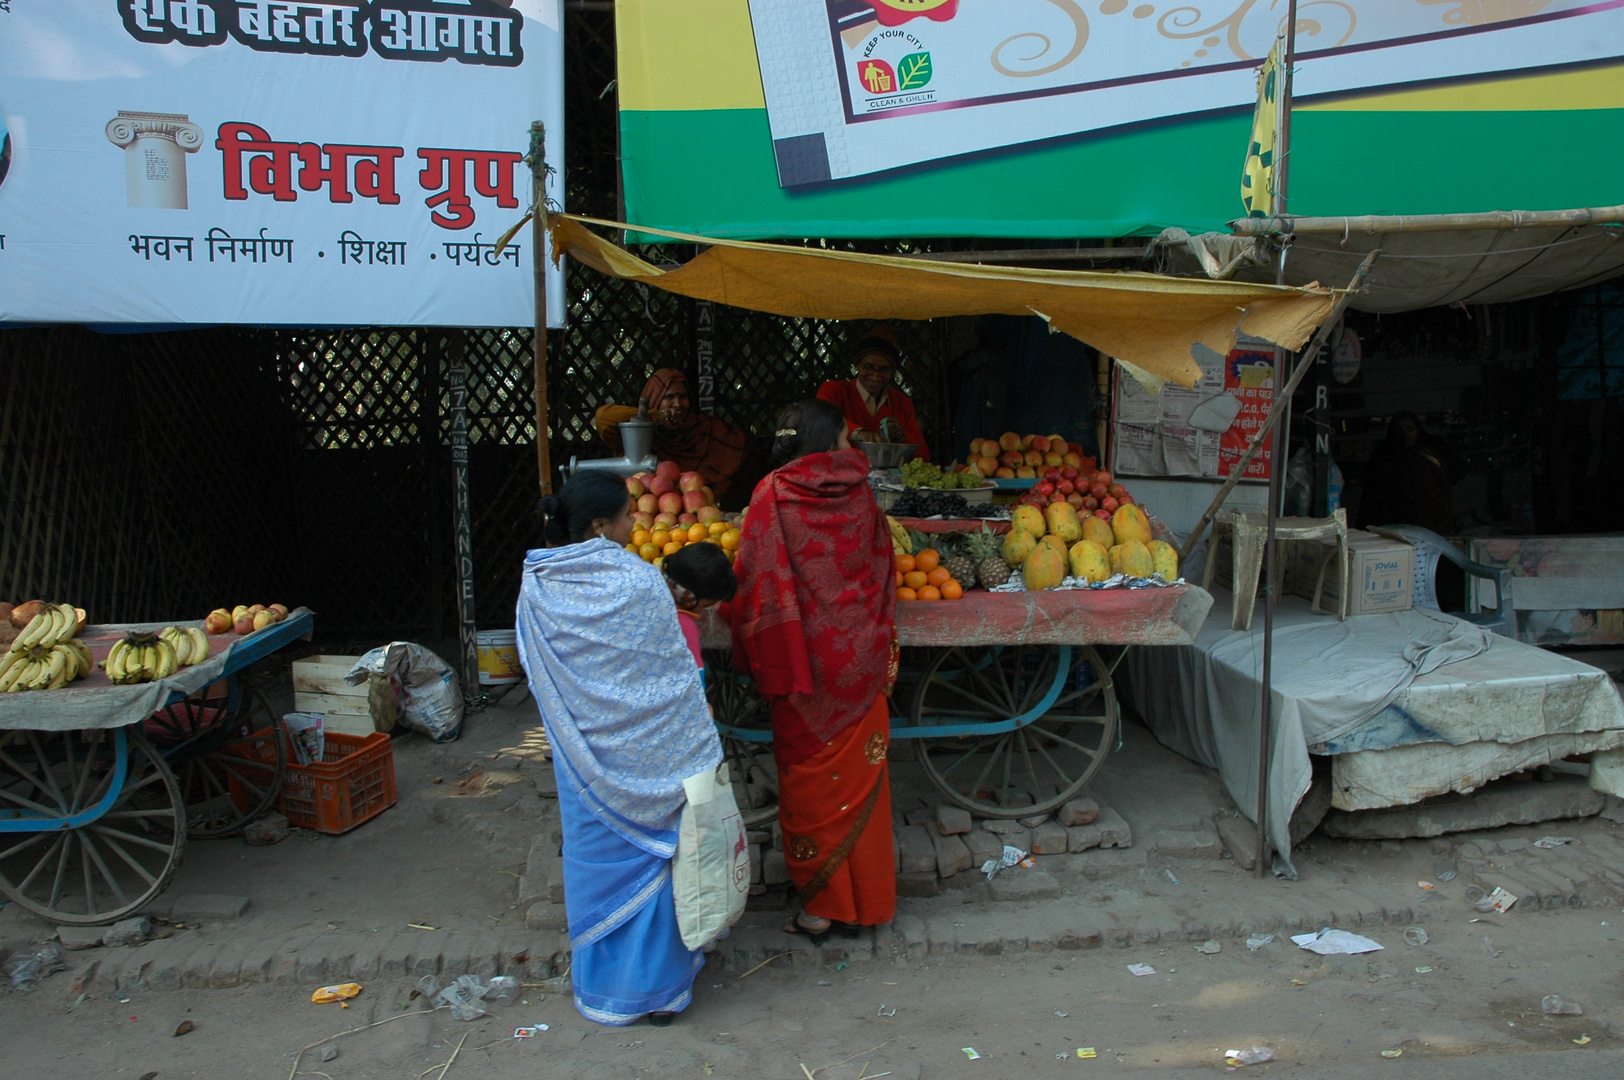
x=813, y=626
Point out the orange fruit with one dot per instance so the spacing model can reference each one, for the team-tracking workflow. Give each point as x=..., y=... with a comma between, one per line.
x=641, y=537
x=899, y=578
x=915, y=579
x=672, y=548
x=648, y=552
x=659, y=538
x=905, y=563
x=697, y=532
x=952, y=590
x=939, y=576
x=717, y=528
x=927, y=560
x=907, y=594
x=930, y=592
x=730, y=540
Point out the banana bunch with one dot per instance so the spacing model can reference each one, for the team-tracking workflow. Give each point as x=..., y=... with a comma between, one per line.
x=53, y=625
x=141, y=658
x=190, y=644
x=43, y=667
x=900, y=541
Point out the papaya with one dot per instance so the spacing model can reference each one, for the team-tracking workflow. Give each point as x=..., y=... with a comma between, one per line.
x=1130, y=523
x=1029, y=518
x=1062, y=521
x=1113, y=558
x=1098, y=530
x=1045, y=568
x=1055, y=542
x=1136, y=560
x=1017, y=546
x=1088, y=561
x=1165, y=559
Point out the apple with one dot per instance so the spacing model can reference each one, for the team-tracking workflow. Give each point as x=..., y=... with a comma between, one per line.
x=1090, y=503
x=668, y=469
x=1009, y=441
x=1025, y=472
x=634, y=487
x=1065, y=487
x=644, y=519
x=661, y=485
x=1103, y=477
x=1012, y=458
x=693, y=500
x=1053, y=460
x=217, y=622
x=1040, y=443
x=1109, y=504
x=710, y=496
x=1076, y=501
x=975, y=447
x=649, y=503
x=1074, y=460
x=665, y=521
x=671, y=503
x=263, y=619
x=281, y=610
x=1033, y=458
x=1044, y=488
x=1004, y=473
x=708, y=514
x=687, y=519
x=690, y=481
x=244, y=623
x=239, y=611
x=1058, y=444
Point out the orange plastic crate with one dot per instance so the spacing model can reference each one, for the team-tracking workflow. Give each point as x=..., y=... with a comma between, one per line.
x=354, y=781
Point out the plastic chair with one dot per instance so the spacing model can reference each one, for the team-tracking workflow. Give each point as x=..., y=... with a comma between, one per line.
x=1247, y=532
x=1429, y=548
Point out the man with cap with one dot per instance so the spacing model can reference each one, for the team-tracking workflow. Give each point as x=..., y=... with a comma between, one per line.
x=869, y=400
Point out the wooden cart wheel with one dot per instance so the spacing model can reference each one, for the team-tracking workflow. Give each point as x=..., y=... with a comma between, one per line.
x=230, y=762
x=112, y=813
x=1013, y=730
x=745, y=726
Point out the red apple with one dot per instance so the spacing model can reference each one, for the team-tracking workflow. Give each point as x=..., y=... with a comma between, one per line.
x=687, y=519
x=989, y=464
x=1004, y=473
x=217, y=622
x=1033, y=458
x=244, y=624
x=634, y=486
x=708, y=514
x=281, y=611
x=1053, y=459
x=1025, y=472
x=665, y=521
x=1040, y=443
x=671, y=503
x=1076, y=501
x=644, y=520
x=1009, y=441
x=693, y=500
x=1109, y=504
x=668, y=469
x=1065, y=487
x=1074, y=460
x=660, y=485
x=1012, y=458
x=649, y=503
x=690, y=481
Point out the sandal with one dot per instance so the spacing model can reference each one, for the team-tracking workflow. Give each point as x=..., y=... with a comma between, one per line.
x=796, y=926
x=661, y=1019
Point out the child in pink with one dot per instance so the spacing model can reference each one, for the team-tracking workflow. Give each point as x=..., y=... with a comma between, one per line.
x=700, y=577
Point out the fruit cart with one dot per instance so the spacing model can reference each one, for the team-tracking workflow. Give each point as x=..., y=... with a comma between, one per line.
x=1009, y=695
x=102, y=784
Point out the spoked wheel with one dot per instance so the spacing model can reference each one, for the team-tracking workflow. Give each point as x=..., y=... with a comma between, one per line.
x=1012, y=730
x=745, y=726
x=110, y=815
x=230, y=763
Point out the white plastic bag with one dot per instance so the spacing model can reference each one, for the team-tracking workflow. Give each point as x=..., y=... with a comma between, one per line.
x=711, y=872
x=430, y=694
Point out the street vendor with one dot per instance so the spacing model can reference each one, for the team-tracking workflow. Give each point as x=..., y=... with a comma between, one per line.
x=868, y=400
x=730, y=460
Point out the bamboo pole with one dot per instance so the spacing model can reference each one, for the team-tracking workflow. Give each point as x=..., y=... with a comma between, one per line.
x=1375, y=225
x=538, y=255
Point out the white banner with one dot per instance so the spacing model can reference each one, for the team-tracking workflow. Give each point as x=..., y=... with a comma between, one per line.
x=862, y=86
x=273, y=161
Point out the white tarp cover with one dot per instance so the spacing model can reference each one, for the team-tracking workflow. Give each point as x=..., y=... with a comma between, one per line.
x=300, y=163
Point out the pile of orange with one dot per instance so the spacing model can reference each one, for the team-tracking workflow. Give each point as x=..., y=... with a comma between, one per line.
x=923, y=577
x=653, y=545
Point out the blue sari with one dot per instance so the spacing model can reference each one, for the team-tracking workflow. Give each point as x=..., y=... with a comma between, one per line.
x=621, y=700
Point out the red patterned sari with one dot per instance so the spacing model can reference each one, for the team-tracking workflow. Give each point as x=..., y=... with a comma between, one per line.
x=813, y=626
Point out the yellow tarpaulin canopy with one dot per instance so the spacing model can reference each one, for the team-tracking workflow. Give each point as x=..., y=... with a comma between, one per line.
x=1149, y=321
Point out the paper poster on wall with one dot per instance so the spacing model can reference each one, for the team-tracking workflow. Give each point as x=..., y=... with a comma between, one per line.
x=1199, y=432
x=274, y=161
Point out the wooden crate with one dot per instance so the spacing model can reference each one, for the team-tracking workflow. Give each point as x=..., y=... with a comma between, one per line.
x=319, y=687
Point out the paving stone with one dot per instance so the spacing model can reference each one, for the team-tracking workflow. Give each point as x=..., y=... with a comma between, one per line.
x=75, y=938
x=199, y=907
x=952, y=856
x=953, y=820
x=1114, y=832
x=1188, y=843
x=1017, y=798
x=1083, y=837
x=127, y=932
x=1146, y=935
x=539, y=916
x=1003, y=826
x=1049, y=839
x=941, y=934
x=268, y=829
x=1017, y=884
x=485, y=958
x=774, y=867
x=919, y=885
x=543, y=868
x=1032, y=821
x=1073, y=940
x=194, y=974
x=983, y=845
x=920, y=815
x=918, y=853
x=1487, y=808
x=1079, y=811
x=885, y=940
x=1239, y=838
x=1120, y=937
x=909, y=931
x=225, y=968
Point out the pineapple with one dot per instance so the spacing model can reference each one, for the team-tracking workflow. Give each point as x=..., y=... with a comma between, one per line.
x=963, y=569
x=986, y=549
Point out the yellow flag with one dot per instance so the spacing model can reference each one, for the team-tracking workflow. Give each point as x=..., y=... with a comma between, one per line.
x=1257, y=179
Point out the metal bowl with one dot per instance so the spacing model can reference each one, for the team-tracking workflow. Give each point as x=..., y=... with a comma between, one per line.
x=884, y=455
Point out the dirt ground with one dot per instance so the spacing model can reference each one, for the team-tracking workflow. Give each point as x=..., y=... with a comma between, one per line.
x=449, y=854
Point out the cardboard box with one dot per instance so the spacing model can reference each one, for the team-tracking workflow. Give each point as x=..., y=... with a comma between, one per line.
x=1382, y=572
x=319, y=687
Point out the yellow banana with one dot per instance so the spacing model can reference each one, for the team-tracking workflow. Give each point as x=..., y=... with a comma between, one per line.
x=87, y=662
x=32, y=632
x=22, y=677
x=115, y=661
x=10, y=660
x=200, y=644
x=13, y=674
x=64, y=673
x=56, y=661
x=53, y=627
x=167, y=661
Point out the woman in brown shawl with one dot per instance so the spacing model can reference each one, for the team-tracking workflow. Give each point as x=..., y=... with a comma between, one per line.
x=730, y=460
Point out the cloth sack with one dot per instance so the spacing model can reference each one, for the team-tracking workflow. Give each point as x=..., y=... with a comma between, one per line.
x=710, y=875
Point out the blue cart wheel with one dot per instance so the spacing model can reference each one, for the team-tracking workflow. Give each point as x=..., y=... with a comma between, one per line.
x=1009, y=731
x=745, y=727
x=91, y=823
x=229, y=761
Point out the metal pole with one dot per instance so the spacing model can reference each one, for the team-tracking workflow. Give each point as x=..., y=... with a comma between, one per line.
x=538, y=256
x=462, y=521
x=1264, y=739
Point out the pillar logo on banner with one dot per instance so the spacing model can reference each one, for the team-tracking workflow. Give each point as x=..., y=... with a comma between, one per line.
x=273, y=161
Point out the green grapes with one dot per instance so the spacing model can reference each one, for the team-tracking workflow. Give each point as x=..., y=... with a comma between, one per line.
x=923, y=474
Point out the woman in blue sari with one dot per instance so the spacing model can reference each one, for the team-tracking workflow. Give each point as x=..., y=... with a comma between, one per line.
x=621, y=700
